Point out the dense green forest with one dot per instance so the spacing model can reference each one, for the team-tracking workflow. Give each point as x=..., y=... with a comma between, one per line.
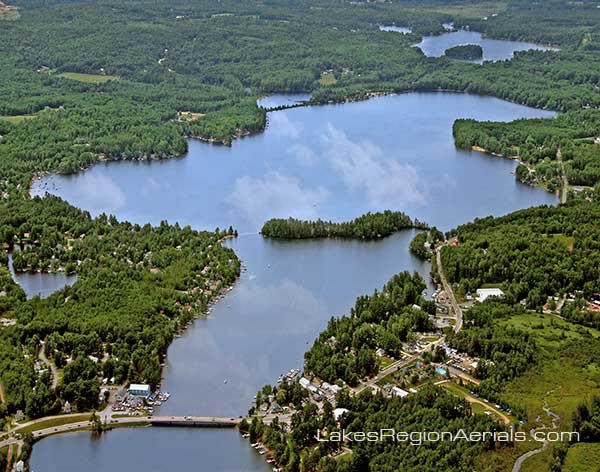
x=137, y=286
x=215, y=58
x=369, y=226
x=423, y=244
x=532, y=254
x=467, y=52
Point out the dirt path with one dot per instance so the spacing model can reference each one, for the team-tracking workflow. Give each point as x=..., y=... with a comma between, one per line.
x=1, y=394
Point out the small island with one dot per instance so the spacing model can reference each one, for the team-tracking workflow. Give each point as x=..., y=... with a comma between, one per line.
x=369, y=226
x=468, y=52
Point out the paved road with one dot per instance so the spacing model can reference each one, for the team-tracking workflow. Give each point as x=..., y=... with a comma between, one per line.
x=449, y=291
x=197, y=421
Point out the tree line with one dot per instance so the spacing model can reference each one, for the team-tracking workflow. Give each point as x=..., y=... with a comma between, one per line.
x=368, y=226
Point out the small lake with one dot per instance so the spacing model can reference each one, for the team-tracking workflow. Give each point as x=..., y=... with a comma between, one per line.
x=333, y=162
x=39, y=283
x=493, y=49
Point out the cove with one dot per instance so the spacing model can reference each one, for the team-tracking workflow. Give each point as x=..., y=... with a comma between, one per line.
x=39, y=283
x=334, y=162
x=493, y=49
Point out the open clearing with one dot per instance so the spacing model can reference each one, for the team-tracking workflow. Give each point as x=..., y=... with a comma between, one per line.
x=328, y=78
x=17, y=118
x=88, y=78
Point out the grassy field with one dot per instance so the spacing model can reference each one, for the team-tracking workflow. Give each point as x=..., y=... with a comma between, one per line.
x=583, y=457
x=53, y=422
x=567, y=241
x=562, y=379
x=89, y=78
x=471, y=9
x=328, y=78
x=17, y=118
x=9, y=14
x=550, y=331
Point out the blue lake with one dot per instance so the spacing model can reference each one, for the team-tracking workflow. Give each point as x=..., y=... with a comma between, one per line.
x=334, y=162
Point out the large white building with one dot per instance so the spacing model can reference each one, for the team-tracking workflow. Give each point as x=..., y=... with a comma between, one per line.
x=484, y=293
x=139, y=390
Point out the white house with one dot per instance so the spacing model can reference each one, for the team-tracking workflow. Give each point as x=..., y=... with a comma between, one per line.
x=398, y=392
x=484, y=293
x=304, y=382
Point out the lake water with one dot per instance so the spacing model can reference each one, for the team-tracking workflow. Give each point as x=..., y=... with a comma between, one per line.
x=335, y=161
x=493, y=49
x=283, y=100
x=38, y=283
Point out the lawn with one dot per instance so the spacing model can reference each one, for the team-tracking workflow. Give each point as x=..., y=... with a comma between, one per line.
x=328, y=78
x=567, y=241
x=550, y=331
x=53, y=422
x=88, y=78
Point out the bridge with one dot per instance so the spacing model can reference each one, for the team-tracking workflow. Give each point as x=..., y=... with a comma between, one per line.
x=195, y=421
x=13, y=437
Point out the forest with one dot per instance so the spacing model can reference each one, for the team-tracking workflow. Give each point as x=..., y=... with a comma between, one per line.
x=137, y=286
x=369, y=227
x=532, y=254
x=467, y=52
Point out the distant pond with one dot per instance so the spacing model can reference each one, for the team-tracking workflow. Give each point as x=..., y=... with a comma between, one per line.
x=493, y=49
x=39, y=283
